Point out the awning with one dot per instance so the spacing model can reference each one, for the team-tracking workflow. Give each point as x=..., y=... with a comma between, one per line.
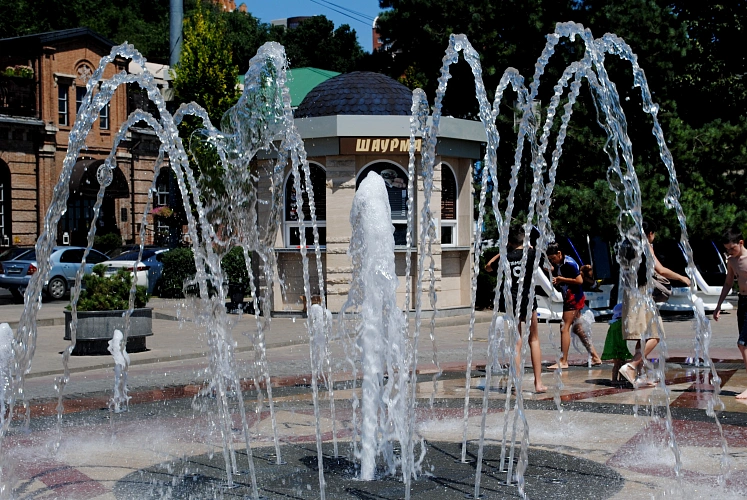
x=83, y=182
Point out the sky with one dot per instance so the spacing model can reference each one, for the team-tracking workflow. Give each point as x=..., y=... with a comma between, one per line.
x=338, y=11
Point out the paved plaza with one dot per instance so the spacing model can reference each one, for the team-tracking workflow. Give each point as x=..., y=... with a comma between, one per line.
x=604, y=444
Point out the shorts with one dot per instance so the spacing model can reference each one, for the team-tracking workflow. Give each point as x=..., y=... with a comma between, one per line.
x=574, y=305
x=641, y=319
x=741, y=323
x=524, y=303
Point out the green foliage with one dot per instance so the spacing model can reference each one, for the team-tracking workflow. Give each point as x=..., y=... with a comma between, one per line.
x=106, y=242
x=234, y=267
x=206, y=73
x=694, y=70
x=111, y=293
x=178, y=267
x=316, y=43
x=141, y=22
x=245, y=34
x=19, y=71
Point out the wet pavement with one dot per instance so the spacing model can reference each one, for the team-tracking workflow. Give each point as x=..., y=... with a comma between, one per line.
x=608, y=441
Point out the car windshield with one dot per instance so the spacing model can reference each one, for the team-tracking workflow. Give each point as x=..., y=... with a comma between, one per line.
x=133, y=255
x=30, y=255
x=12, y=253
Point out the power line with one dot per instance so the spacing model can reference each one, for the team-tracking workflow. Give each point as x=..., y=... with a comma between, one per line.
x=361, y=14
x=367, y=23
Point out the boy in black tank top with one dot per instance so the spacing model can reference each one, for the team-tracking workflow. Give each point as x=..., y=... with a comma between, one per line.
x=514, y=256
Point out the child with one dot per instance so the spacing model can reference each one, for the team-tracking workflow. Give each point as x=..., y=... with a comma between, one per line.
x=615, y=348
x=567, y=276
x=514, y=257
x=736, y=266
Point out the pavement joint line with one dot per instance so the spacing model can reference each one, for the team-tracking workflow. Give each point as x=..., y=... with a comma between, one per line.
x=149, y=361
x=157, y=315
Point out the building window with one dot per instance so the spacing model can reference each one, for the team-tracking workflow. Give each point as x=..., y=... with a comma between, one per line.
x=395, y=179
x=163, y=192
x=162, y=189
x=62, y=104
x=449, y=193
x=292, y=209
x=104, y=117
x=80, y=93
x=167, y=224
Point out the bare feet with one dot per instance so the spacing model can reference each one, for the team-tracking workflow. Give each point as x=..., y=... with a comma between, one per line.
x=641, y=382
x=540, y=389
x=743, y=395
x=596, y=361
x=564, y=366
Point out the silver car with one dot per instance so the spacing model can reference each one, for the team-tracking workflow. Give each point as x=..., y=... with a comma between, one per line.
x=15, y=275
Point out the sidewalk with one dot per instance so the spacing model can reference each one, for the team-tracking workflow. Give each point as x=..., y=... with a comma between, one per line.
x=178, y=353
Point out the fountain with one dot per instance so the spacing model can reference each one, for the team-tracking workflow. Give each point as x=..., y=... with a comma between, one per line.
x=222, y=212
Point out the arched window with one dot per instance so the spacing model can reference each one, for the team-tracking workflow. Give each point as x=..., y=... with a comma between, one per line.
x=6, y=235
x=396, y=186
x=449, y=193
x=292, y=233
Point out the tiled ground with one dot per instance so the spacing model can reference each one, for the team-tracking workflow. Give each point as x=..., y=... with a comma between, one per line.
x=97, y=452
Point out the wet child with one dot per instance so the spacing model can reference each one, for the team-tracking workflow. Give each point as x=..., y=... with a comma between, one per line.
x=615, y=348
x=567, y=276
x=736, y=267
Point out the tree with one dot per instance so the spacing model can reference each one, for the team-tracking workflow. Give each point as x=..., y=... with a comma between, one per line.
x=316, y=43
x=245, y=34
x=142, y=23
x=714, y=82
x=206, y=73
x=682, y=45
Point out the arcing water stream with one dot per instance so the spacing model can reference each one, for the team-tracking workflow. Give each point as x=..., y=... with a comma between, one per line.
x=222, y=212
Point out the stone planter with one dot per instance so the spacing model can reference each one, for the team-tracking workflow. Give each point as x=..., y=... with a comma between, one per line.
x=96, y=328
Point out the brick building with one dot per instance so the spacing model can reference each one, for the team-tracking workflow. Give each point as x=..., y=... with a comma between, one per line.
x=41, y=88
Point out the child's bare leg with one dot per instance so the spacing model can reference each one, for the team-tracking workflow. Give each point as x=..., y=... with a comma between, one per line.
x=743, y=350
x=616, y=370
x=637, y=360
x=565, y=339
x=586, y=341
x=536, y=353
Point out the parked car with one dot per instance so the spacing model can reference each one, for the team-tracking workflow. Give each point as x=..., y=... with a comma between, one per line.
x=116, y=252
x=148, y=269
x=16, y=274
x=11, y=253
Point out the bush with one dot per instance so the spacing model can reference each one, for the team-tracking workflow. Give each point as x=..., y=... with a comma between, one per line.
x=178, y=266
x=107, y=242
x=109, y=293
x=234, y=268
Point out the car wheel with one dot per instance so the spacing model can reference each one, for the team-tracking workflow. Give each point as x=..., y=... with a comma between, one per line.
x=56, y=288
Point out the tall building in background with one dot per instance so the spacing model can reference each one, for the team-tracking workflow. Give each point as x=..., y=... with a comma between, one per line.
x=377, y=44
x=289, y=22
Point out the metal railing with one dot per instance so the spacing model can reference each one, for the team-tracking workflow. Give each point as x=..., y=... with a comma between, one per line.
x=17, y=96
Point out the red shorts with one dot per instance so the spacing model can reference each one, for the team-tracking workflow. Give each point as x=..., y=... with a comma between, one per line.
x=574, y=304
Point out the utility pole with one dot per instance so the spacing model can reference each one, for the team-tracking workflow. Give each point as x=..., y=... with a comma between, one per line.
x=176, y=20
